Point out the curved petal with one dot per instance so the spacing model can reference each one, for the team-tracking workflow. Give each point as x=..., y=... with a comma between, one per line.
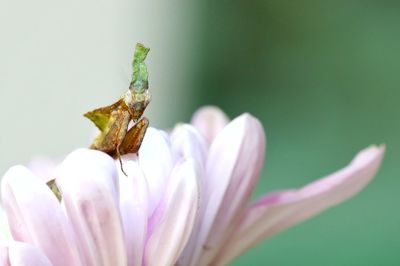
x=186, y=142
x=23, y=254
x=176, y=215
x=156, y=162
x=88, y=182
x=43, y=168
x=277, y=211
x=134, y=208
x=233, y=166
x=209, y=121
x=35, y=216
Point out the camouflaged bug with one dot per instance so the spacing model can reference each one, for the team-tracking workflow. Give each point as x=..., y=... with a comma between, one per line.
x=115, y=138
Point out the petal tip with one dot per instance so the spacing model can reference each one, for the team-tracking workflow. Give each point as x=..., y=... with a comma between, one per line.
x=209, y=120
x=14, y=175
x=210, y=111
x=370, y=154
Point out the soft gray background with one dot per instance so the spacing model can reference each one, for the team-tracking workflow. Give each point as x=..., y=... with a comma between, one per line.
x=59, y=59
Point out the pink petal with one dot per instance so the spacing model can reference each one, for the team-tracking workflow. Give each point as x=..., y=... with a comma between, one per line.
x=88, y=181
x=134, y=208
x=209, y=121
x=176, y=214
x=156, y=162
x=277, y=211
x=233, y=166
x=22, y=254
x=35, y=216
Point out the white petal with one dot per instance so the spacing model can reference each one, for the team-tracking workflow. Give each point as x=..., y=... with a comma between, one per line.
x=4, y=260
x=5, y=233
x=88, y=182
x=43, y=168
x=35, y=216
x=233, y=166
x=156, y=162
x=22, y=254
x=134, y=208
x=280, y=210
x=186, y=142
x=175, y=216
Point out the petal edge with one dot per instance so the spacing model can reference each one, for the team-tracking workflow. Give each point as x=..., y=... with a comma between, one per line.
x=277, y=211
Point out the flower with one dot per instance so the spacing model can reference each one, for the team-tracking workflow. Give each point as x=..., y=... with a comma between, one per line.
x=185, y=201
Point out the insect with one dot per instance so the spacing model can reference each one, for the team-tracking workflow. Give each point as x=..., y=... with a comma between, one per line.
x=116, y=138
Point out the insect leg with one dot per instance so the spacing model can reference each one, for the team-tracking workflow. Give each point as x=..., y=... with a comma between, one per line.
x=121, y=133
x=120, y=160
x=134, y=137
x=113, y=133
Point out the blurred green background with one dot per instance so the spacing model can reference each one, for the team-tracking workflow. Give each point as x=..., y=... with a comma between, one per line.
x=322, y=76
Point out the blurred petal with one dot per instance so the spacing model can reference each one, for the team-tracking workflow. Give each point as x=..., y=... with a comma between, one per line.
x=134, y=208
x=233, y=166
x=280, y=210
x=176, y=215
x=4, y=260
x=186, y=142
x=209, y=121
x=35, y=216
x=5, y=233
x=88, y=182
x=156, y=162
x=43, y=168
x=22, y=254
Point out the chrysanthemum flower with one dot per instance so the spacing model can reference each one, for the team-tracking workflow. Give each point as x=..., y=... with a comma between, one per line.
x=185, y=201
